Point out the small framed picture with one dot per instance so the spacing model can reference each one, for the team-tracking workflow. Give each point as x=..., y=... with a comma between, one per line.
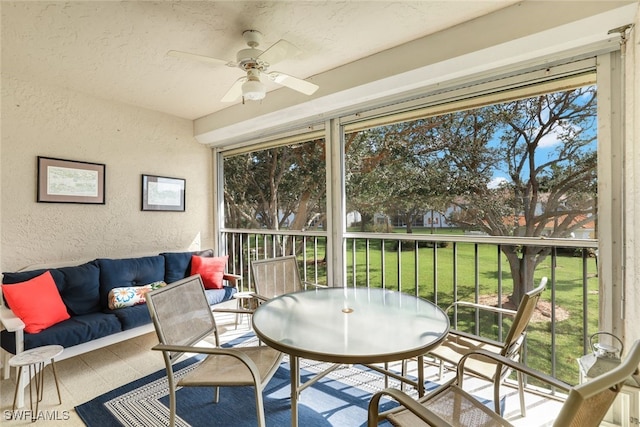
x=70, y=181
x=161, y=193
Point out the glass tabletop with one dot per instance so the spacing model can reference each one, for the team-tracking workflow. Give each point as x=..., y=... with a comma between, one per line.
x=347, y=325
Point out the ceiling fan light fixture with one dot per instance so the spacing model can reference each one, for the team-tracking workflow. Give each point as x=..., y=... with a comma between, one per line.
x=253, y=90
x=255, y=62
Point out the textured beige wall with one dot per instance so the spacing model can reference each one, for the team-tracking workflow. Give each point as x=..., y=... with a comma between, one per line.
x=40, y=120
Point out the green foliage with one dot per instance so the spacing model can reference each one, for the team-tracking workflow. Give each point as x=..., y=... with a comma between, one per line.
x=280, y=187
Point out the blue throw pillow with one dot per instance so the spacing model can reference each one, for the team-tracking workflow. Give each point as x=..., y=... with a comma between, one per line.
x=178, y=264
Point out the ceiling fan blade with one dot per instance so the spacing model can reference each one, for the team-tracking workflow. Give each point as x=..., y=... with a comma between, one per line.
x=280, y=50
x=201, y=58
x=235, y=91
x=294, y=83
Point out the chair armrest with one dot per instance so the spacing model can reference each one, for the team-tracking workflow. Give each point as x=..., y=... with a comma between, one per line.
x=407, y=402
x=315, y=285
x=261, y=298
x=239, y=310
x=513, y=365
x=238, y=354
x=233, y=279
x=482, y=307
x=10, y=321
x=476, y=337
x=199, y=350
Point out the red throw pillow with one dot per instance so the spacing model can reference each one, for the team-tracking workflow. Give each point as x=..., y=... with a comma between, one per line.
x=211, y=269
x=36, y=302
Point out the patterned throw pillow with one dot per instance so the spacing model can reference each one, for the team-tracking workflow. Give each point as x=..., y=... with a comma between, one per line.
x=131, y=295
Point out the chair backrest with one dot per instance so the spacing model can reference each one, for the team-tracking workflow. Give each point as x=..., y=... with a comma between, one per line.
x=588, y=403
x=181, y=314
x=276, y=276
x=518, y=329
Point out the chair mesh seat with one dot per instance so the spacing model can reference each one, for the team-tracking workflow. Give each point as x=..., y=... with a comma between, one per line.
x=456, y=346
x=587, y=415
x=229, y=371
x=456, y=407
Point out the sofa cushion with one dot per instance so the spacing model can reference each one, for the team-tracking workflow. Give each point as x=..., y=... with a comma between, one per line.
x=36, y=302
x=73, y=331
x=178, y=264
x=23, y=276
x=125, y=272
x=216, y=296
x=81, y=288
x=78, y=286
x=132, y=317
x=211, y=269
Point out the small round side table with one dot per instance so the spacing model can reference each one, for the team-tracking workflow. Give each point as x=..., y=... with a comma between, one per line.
x=246, y=301
x=36, y=359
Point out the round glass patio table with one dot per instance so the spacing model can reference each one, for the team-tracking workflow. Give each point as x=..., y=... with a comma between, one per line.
x=350, y=325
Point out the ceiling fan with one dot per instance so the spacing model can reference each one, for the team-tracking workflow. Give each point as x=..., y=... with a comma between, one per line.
x=255, y=63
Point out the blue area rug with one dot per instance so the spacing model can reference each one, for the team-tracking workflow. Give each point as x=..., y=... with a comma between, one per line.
x=337, y=400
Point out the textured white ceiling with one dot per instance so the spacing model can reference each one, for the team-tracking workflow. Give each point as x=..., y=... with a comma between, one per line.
x=117, y=50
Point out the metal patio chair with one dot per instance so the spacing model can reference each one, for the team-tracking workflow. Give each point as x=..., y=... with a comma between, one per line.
x=271, y=277
x=183, y=319
x=450, y=405
x=458, y=343
x=277, y=276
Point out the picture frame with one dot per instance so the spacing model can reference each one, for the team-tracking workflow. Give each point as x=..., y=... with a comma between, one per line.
x=70, y=181
x=162, y=193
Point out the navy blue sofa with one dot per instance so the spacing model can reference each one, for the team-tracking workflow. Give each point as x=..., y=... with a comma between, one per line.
x=84, y=290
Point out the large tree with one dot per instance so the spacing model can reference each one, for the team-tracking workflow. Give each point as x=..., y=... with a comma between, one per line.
x=365, y=181
x=276, y=188
x=546, y=191
x=389, y=171
x=543, y=148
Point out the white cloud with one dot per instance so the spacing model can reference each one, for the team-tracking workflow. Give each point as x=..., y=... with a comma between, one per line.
x=549, y=140
x=496, y=182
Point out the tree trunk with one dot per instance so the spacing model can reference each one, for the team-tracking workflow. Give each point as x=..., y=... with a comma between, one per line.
x=300, y=218
x=523, y=266
x=523, y=263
